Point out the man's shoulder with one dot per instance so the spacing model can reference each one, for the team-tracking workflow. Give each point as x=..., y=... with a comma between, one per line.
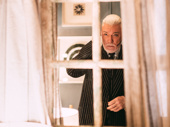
x=86, y=51
x=89, y=44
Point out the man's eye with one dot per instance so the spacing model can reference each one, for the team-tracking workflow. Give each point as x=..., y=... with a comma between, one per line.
x=105, y=34
x=116, y=35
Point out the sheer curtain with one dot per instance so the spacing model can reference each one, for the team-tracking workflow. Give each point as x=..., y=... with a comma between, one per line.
x=146, y=38
x=21, y=70
x=161, y=55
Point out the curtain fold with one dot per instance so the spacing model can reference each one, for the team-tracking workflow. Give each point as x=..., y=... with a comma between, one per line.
x=51, y=77
x=147, y=62
x=3, y=18
x=160, y=21
x=21, y=74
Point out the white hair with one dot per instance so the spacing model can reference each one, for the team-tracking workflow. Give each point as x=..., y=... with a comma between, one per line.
x=111, y=19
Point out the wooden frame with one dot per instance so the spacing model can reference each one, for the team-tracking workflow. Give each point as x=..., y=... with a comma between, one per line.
x=96, y=64
x=135, y=63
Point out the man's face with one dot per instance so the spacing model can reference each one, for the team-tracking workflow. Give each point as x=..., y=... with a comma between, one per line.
x=112, y=37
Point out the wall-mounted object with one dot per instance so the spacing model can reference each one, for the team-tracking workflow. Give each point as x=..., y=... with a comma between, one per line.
x=76, y=14
x=68, y=48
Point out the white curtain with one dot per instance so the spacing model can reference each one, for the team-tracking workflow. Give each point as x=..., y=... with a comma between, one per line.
x=21, y=74
x=160, y=51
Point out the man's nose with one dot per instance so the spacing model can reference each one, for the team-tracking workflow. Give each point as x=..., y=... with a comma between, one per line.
x=111, y=39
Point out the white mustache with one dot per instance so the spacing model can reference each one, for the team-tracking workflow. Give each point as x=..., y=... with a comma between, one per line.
x=111, y=45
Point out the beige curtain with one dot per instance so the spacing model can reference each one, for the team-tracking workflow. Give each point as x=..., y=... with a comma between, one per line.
x=21, y=70
x=51, y=76
x=146, y=56
x=154, y=22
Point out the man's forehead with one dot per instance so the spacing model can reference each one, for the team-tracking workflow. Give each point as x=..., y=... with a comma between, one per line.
x=108, y=25
x=107, y=32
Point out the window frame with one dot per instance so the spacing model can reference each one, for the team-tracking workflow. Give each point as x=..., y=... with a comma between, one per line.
x=137, y=111
x=96, y=63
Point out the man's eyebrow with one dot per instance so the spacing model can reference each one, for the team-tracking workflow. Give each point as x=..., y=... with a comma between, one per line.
x=114, y=32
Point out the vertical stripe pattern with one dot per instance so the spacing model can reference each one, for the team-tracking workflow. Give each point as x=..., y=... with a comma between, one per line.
x=112, y=87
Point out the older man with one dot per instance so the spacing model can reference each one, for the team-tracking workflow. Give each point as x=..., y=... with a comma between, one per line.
x=113, y=99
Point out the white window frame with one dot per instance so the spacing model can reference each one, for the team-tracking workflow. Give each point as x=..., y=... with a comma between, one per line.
x=96, y=63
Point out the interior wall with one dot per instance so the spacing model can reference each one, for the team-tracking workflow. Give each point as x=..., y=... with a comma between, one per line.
x=70, y=94
x=106, y=8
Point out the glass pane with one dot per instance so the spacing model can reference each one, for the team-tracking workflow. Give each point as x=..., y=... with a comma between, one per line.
x=78, y=92
x=69, y=46
x=74, y=27
x=70, y=92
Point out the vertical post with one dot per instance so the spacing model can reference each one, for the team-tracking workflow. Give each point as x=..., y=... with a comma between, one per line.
x=57, y=102
x=47, y=43
x=97, y=96
x=97, y=78
x=96, y=31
